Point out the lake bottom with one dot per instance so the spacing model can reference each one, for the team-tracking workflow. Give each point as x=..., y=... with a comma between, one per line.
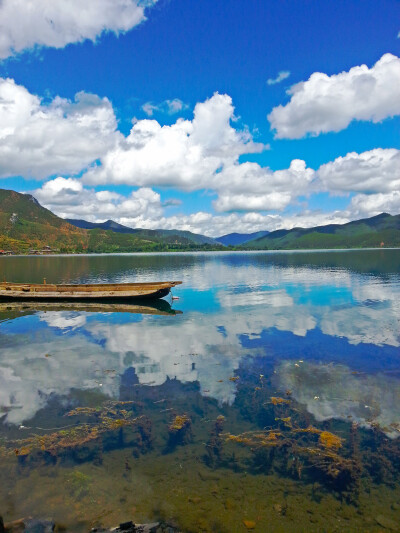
x=168, y=453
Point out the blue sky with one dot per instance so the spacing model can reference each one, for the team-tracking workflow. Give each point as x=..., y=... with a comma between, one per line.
x=214, y=146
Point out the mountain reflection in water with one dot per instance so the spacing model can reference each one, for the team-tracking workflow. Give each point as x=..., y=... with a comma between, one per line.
x=292, y=350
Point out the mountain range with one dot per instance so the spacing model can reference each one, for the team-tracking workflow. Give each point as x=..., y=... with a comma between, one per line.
x=26, y=225
x=377, y=231
x=237, y=239
x=168, y=234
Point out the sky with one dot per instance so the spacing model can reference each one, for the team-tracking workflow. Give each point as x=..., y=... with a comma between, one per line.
x=213, y=116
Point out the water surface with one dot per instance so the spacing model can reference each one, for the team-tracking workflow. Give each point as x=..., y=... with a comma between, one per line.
x=265, y=398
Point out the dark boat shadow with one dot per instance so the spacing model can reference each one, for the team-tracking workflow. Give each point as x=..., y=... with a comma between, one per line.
x=144, y=307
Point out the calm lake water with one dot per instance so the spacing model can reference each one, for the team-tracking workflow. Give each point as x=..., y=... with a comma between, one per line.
x=267, y=398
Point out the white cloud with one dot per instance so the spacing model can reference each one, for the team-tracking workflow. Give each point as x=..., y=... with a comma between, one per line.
x=246, y=188
x=375, y=177
x=66, y=137
x=329, y=103
x=217, y=225
x=248, y=202
x=37, y=140
x=69, y=199
x=363, y=205
x=374, y=171
x=202, y=154
x=282, y=75
x=187, y=154
x=26, y=24
x=144, y=208
x=170, y=107
x=149, y=109
x=249, y=187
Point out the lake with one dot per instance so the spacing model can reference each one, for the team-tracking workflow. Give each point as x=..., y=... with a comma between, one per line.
x=265, y=398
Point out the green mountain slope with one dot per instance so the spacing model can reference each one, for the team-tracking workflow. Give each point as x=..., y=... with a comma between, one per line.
x=25, y=224
x=365, y=233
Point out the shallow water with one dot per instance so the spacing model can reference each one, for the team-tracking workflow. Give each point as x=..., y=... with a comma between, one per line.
x=111, y=414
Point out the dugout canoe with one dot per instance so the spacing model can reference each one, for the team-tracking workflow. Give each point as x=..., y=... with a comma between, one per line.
x=99, y=292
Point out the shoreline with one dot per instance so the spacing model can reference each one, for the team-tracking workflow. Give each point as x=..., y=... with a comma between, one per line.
x=197, y=252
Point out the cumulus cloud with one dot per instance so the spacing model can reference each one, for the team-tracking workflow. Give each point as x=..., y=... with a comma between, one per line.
x=26, y=24
x=64, y=137
x=329, y=103
x=202, y=154
x=216, y=225
x=38, y=139
x=374, y=175
x=144, y=208
x=69, y=199
x=282, y=75
x=246, y=188
x=368, y=205
x=249, y=187
x=374, y=171
x=187, y=154
x=170, y=107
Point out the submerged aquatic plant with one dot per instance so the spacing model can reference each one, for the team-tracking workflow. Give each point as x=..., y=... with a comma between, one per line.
x=78, y=483
x=180, y=430
x=303, y=447
x=329, y=440
x=178, y=423
x=275, y=400
x=107, y=418
x=214, y=446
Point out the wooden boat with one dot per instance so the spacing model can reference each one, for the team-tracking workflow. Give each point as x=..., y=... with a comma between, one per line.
x=117, y=292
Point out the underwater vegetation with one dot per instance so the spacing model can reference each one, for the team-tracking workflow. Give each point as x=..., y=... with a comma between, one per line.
x=180, y=430
x=78, y=484
x=275, y=400
x=108, y=419
x=283, y=438
x=302, y=448
x=215, y=443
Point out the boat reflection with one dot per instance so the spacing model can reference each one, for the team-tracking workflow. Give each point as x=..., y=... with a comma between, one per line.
x=145, y=307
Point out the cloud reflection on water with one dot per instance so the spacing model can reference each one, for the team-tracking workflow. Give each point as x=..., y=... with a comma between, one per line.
x=239, y=305
x=335, y=391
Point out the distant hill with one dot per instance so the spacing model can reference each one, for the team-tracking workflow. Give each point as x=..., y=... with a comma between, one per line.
x=26, y=225
x=365, y=233
x=168, y=234
x=235, y=239
x=108, y=225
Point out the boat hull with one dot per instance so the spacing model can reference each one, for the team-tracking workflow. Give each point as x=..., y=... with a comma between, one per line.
x=122, y=292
